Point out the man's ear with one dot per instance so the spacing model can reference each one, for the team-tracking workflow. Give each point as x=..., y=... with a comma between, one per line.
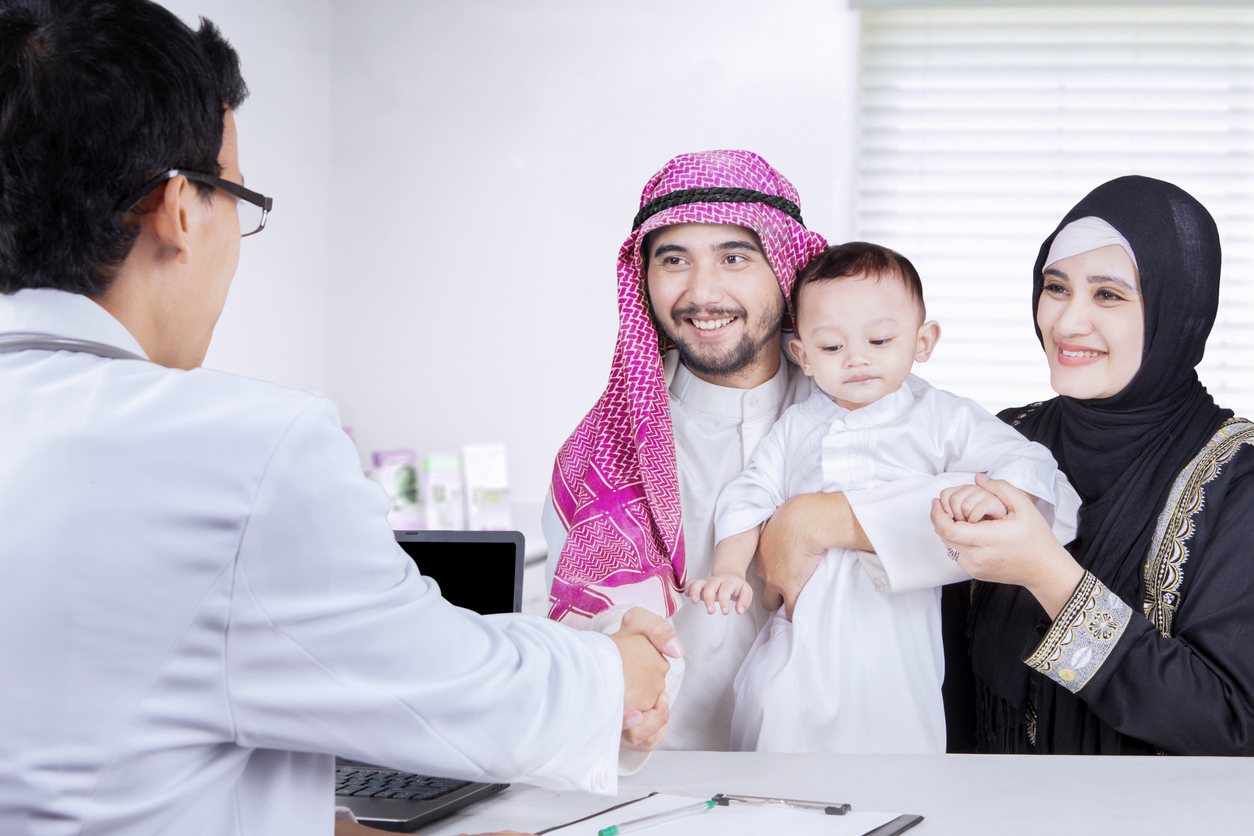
x=171, y=217
x=799, y=351
x=929, y=336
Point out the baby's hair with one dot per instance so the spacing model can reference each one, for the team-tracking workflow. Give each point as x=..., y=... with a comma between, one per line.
x=858, y=258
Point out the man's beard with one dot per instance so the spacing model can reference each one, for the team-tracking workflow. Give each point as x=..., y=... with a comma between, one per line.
x=747, y=350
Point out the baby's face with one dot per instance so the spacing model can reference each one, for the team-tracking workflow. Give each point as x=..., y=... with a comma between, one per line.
x=859, y=337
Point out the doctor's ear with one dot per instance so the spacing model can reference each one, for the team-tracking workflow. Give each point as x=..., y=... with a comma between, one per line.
x=169, y=215
x=799, y=351
x=929, y=335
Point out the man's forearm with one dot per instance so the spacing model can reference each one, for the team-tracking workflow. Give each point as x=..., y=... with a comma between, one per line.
x=794, y=539
x=831, y=521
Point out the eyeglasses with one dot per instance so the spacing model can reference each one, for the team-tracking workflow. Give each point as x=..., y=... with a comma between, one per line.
x=253, y=206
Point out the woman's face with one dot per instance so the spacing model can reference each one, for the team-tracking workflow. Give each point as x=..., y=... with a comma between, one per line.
x=1092, y=321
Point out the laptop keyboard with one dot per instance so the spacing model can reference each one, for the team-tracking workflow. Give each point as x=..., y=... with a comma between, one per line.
x=387, y=783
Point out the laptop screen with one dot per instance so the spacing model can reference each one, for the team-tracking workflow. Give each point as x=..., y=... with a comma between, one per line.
x=477, y=570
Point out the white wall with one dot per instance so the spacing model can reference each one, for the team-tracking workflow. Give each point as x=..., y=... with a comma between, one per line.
x=487, y=159
x=452, y=182
x=274, y=324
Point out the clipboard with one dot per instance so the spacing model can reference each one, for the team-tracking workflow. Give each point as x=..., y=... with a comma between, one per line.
x=750, y=818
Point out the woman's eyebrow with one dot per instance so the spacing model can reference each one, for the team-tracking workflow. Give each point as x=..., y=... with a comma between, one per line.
x=1112, y=280
x=1053, y=271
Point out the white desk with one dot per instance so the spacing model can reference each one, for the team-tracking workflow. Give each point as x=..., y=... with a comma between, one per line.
x=969, y=795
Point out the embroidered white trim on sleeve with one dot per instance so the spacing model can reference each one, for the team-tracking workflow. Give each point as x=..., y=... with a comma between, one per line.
x=1082, y=636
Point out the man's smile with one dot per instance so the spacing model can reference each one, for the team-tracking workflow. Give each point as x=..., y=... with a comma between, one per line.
x=711, y=324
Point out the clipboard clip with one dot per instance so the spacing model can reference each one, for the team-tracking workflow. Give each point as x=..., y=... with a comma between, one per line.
x=826, y=807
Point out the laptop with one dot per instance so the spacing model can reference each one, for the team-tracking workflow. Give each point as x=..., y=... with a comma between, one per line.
x=477, y=570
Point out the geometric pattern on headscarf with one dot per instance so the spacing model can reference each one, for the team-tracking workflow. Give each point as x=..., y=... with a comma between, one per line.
x=615, y=482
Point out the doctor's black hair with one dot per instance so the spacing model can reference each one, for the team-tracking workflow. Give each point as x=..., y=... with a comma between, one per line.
x=858, y=258
x=97, y=97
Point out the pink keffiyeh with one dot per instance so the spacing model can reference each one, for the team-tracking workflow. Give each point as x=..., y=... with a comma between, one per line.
x=615, y=484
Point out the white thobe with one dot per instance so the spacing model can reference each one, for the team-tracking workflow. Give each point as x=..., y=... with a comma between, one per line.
x=203, y=602
x=717, y=429
x=857, y=670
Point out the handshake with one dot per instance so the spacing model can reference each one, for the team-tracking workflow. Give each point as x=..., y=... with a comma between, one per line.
x=644, y=641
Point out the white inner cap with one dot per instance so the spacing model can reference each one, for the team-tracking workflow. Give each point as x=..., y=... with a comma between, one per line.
x=1085, y=235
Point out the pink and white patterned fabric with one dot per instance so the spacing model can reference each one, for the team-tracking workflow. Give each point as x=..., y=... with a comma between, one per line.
x=615, y=484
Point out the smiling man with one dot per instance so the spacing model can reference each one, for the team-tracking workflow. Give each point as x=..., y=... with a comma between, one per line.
x=711, y=259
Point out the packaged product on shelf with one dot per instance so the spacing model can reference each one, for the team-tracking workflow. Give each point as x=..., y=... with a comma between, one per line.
x=396, y=472
x=440, y=476
x=487, y=487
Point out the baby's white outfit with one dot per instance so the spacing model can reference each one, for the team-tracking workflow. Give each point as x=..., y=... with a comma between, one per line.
x=859, y=670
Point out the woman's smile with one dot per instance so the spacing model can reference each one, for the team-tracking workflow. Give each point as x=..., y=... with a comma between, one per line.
x=1077, y=355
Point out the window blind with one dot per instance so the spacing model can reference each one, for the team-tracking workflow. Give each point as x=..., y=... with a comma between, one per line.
x=979, y=127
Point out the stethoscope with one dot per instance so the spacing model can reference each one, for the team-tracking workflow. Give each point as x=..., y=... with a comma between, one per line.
x=11, y=343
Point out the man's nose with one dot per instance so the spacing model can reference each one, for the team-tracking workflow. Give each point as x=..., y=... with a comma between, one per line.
x=705, y=285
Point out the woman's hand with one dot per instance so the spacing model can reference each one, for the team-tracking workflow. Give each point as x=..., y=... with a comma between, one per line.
x=1019, y=549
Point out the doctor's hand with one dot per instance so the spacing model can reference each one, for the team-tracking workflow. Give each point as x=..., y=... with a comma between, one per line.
x=796, y=537
x=643, y=731
x=1019, y=549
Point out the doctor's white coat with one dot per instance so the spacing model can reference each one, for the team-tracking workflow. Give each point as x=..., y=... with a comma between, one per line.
x=201, y=602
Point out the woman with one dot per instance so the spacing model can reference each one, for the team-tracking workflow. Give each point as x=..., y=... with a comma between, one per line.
x=1138, y=637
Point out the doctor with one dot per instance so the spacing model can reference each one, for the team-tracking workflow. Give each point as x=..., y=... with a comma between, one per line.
x=201, y=596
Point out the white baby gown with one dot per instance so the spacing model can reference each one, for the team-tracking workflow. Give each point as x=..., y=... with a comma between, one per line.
x=860, y=669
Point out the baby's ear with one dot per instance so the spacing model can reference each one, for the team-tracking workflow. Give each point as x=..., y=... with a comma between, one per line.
x=799, y=351
x=929, y=336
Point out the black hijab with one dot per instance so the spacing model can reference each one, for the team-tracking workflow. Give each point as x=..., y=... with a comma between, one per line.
x=1122, y=454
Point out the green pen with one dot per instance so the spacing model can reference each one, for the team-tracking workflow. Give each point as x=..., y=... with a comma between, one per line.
x=649, y=821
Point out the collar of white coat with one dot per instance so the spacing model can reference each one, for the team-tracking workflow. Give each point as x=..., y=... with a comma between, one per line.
x=41, y=310
x=726, y=401
x=882, y=411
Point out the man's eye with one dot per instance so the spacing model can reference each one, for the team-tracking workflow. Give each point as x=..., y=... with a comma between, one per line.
x=735, y=258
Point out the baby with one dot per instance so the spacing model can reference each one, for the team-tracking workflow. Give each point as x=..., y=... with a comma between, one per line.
x=857, y=670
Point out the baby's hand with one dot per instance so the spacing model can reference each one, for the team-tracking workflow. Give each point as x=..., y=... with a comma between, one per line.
x=722, y=588
x=971, y=503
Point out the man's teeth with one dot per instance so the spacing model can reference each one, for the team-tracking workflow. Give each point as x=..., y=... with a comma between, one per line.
x=711, y=324
x=1066, y=353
